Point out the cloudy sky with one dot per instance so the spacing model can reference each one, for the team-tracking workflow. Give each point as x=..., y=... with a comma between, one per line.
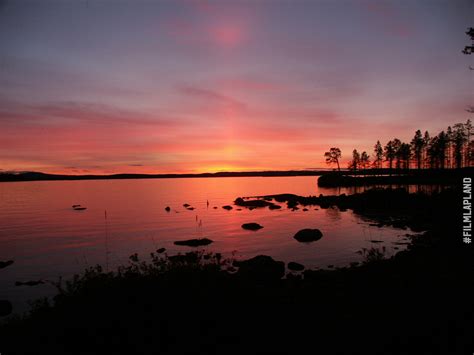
x=194, y=86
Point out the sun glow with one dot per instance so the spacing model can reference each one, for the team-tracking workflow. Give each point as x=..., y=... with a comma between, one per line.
x=221, y=168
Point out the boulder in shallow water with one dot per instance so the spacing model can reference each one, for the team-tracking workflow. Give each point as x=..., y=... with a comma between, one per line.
x=261, y=268
x=252, y=226
x=194, y=242
x=294, y=266
x=252, y=203
x=308, y=235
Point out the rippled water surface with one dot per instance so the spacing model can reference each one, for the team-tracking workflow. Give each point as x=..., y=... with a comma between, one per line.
x=46, y=238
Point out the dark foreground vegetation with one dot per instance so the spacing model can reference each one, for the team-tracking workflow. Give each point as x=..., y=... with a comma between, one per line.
x=418, y=302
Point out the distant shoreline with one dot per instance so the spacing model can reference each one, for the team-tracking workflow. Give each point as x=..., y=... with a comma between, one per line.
x=37, y=176
x=332, y=178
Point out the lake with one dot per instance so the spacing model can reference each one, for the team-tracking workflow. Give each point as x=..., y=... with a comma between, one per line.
x=46, y=238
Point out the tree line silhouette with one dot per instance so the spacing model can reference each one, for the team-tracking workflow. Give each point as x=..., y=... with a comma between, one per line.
x=448, y=149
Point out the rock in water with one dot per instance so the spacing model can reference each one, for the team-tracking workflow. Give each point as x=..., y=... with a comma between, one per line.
x=252, y=226
x=252, y=203
x=261, y=268
x=227, y=207
x=293, y=266
x=308, y=235
x=167, y=208
x=194, y=242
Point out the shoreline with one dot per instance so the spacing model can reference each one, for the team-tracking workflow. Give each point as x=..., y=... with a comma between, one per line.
x=327, y=178
x=35, y=176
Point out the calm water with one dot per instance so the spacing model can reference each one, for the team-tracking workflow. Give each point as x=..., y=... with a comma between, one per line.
x=47, y=239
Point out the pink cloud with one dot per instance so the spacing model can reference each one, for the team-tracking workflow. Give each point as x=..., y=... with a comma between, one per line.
x=228, y=35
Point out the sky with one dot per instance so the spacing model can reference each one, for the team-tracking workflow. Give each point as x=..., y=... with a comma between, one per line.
x=203, y=86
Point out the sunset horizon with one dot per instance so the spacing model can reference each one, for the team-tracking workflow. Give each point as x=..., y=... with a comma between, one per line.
x=236, y=177
x=197, y=86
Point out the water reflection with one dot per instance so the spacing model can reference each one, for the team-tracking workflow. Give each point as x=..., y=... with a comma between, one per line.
x=333, y=213
x=426, y=189
x=48, y=239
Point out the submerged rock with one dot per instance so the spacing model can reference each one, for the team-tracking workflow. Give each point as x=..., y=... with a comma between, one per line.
x=261, y=268
x=194, y=242
x=294, y=266
x=227, y=207
x=5, y=308
x=252, y=226
x=308, y=235
x=186, y=205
